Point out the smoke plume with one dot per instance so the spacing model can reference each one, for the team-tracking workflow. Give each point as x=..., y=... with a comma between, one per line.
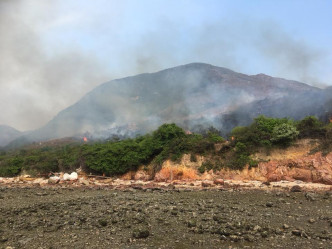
x=46, y=66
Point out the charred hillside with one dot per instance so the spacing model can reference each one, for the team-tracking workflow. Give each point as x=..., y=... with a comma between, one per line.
x=189, y=95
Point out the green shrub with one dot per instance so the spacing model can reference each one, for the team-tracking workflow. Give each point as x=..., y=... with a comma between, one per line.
x=284, y=134
x=11, y=166
x=253, y=163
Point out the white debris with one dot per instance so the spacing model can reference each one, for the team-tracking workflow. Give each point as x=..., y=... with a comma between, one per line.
x=66, y=177
x=73, y=176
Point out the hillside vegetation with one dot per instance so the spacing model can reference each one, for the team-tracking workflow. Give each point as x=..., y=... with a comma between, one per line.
x=167, y=142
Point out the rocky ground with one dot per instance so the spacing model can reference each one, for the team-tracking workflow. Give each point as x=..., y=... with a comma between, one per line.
x=170, y=217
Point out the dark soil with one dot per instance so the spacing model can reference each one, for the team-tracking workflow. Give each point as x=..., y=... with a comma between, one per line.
x=102, y=218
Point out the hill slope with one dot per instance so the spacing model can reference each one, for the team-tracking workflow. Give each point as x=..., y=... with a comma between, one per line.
x=191, y=94
x=8, y=134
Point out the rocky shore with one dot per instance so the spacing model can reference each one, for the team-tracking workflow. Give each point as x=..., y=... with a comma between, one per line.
x=108, y=213
x=121, y=184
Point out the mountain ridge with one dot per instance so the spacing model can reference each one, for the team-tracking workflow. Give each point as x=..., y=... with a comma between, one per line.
x=186, y=95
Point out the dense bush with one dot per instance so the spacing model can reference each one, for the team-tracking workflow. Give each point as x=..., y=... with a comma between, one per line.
x=167, y=142
x=11, y=166
x=325, y=143
x=284, y=134
x=265, y=132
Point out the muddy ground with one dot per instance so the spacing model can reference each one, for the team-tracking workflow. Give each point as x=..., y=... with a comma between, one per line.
x=159, y=218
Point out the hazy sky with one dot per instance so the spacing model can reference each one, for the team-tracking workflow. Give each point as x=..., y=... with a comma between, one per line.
x=53, y=52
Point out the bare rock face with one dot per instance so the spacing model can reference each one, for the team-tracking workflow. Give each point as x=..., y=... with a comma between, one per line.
x=310, y=168
x=293, y=164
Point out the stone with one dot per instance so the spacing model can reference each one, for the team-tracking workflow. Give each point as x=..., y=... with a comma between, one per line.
x=43, y=183
x=72, y=177
x=264, y=234
x=249, y=238
x=84, y=182
x=296, y=232
x=310, y=196
x=219, y=182
x=191, y=223
x=65, y=177
x=269, y=204
x=311, y=220
x=53, y=180
x=206, y=184
x=234, y=238
x=3, y=239
x=141, y=233
x=285, y=226
x=296, y=188
x=102, y=222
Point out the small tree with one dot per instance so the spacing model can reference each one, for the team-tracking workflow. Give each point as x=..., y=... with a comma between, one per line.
x=284, y=134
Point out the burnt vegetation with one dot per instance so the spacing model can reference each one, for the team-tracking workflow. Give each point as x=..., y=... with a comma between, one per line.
x=116, y=157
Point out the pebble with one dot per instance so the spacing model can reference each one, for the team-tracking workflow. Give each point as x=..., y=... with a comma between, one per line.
x=311, y=220
x=296, y=188
x=296, y=232
x=310, y=197
x=102, y=222
x=141, y=233
x=191, y=223
x=269, y=204
x=3, y=239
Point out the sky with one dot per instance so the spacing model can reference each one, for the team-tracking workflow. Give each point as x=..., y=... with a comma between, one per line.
x=54, y=52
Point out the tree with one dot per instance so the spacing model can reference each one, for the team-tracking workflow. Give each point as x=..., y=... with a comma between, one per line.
x=168, y=132
x=284, y=134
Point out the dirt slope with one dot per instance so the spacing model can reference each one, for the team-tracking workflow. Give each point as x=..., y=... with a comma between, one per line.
x=293, y=163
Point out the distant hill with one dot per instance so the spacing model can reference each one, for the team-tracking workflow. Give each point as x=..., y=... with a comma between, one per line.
x=189, y=95
x=8, y=134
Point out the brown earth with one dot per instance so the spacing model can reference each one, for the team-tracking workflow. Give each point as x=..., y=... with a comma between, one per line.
x=291, y=164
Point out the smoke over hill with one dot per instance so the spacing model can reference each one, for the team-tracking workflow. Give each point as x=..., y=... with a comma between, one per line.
x=7, y=134
x=190, y=95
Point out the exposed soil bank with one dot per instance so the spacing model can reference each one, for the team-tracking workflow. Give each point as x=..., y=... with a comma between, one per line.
x=163, y=218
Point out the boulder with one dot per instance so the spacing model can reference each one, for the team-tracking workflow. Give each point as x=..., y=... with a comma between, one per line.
x=72, y=177
x=54, y=180
x=84, y=182
x=219, y=181
x=206, y=184
x=296, y=188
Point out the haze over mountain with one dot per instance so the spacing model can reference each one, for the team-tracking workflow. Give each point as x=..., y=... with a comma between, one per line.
x=189, y=95
x=8, y=134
